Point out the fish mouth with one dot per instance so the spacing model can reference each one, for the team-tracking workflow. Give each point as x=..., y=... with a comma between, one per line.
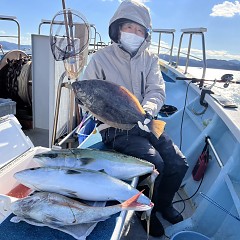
x=23, y=175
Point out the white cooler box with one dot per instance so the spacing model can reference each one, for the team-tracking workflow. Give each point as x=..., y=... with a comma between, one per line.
x=16, y=151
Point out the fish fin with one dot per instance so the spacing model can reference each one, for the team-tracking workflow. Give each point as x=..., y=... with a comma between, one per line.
x=132, y=204
x=32, y=221
x=102, y=171
x=145, y=182
x=99, y=219
x=67, y=192
x=146, y=216
x=72, y=171
x=133, y=98
x=149, y=181
x=78, y=100
x=53, y=221
x=15, y=219
x=156, y=127
x=86, y=161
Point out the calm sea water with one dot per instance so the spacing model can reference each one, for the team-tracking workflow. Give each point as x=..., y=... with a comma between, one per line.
x=232, y=92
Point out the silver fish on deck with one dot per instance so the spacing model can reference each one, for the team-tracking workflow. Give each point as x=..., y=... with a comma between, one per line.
x=84, y=184
x=57, y=210
x=115, y=164
x=114, y=105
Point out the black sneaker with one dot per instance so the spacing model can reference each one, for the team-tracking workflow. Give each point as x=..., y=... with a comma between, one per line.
x=171, y=215
x=156, y=228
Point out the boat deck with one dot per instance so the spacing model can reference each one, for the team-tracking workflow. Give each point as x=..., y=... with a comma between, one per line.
x=39, y=137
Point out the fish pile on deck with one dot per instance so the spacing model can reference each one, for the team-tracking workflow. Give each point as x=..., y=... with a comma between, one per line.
x=82, y=174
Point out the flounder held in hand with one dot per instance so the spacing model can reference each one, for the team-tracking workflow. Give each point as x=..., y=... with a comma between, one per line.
x=114, y=105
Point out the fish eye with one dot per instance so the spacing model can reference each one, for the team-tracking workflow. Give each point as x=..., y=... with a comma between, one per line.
x=32, y=169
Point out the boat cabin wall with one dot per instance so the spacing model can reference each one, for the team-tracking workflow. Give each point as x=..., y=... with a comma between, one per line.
x=46, y=74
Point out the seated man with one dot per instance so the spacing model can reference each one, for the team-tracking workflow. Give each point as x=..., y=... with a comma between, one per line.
x=128, y=62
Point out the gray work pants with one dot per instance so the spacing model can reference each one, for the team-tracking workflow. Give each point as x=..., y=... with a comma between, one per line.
x=162, y=152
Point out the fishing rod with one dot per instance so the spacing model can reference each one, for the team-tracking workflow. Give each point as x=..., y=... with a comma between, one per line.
x=226, y=79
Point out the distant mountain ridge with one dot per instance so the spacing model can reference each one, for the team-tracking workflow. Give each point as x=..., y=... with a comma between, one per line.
x=12, y=46
x=211, y=63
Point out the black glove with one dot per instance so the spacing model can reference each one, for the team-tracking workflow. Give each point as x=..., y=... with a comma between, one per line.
x=148, y=116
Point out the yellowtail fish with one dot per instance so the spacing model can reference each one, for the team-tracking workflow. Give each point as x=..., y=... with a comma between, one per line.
x=114, y=105
x=115, y=164
x=57, y=210
x=84, y=184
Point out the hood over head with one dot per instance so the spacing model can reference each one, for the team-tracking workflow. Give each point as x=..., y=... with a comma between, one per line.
x=133, y=11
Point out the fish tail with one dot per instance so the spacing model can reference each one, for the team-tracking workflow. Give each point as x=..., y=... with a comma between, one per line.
x=132, y=204
x=156, y=127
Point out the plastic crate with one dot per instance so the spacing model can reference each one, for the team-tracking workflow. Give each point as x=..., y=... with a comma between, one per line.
x=7, y=106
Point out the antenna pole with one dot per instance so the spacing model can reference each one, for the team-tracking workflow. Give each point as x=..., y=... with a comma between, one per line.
x=66, y=22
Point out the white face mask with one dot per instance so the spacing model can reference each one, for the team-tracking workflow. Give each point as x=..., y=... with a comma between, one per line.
x=130, y=41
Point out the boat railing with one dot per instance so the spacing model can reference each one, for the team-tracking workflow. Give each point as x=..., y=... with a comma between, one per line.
x=12, y=19
x=169, y=32
x=94, y=44
x=219, y=161
x=191, y=32
x=49, y=22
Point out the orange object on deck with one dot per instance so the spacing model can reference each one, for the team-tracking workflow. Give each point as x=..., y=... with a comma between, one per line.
x=20, y=191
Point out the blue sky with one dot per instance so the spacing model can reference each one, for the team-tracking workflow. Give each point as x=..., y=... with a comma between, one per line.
x=221, y=18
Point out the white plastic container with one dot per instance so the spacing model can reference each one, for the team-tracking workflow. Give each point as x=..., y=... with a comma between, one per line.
x=16, y=151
